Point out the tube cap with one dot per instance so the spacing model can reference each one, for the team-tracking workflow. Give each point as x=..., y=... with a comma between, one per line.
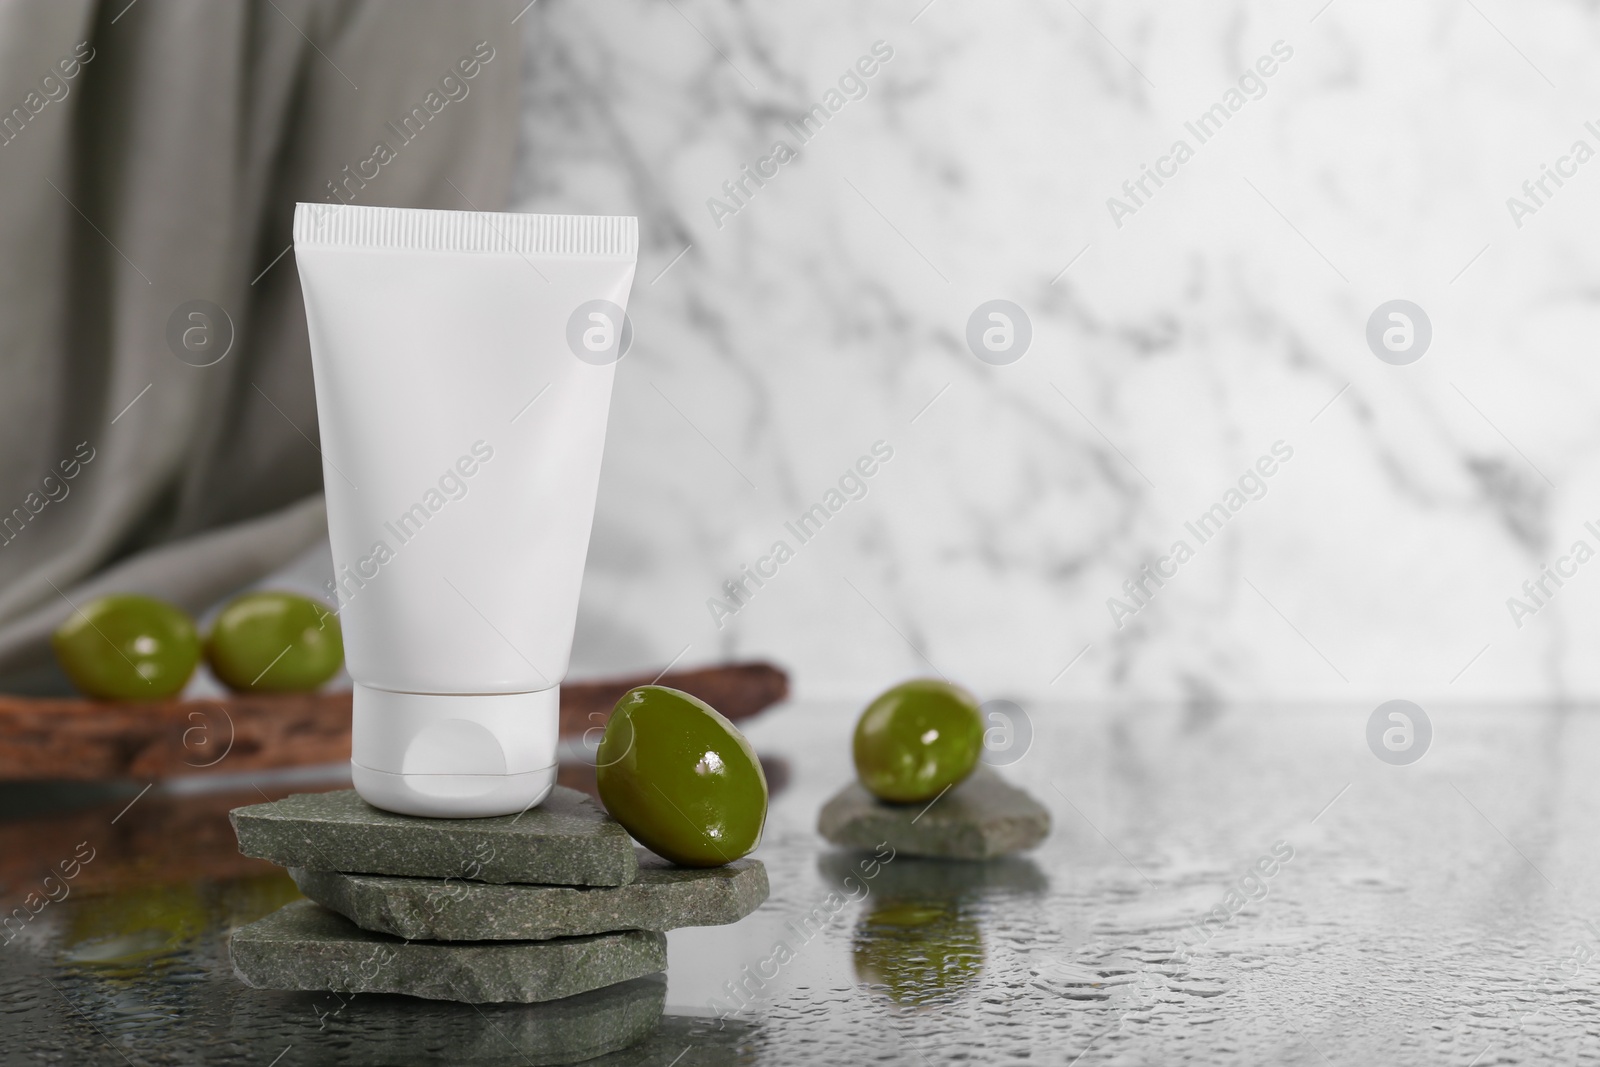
x=454, y=756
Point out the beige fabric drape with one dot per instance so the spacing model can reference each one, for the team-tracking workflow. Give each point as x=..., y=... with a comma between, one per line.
x=151, y=155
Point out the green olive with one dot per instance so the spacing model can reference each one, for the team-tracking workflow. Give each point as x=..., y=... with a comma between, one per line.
x=275, y=643
x=918, y=739
x=680, y=778
x=127, y=647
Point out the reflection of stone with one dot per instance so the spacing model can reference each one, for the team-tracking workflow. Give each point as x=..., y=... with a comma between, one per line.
x=980, y=819
x=566, y=840
x=305, y=946
x=377, y=1029
x=663, y=897
x=919, y=951
x=906, y=876
x=715, y=1043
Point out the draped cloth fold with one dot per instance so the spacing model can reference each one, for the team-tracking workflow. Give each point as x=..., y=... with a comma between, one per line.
x=158, y=430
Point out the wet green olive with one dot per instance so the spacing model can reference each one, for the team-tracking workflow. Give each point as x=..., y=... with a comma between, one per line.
x=275, y=643
x=918, y=739
x=680, y=778
x=127, y=647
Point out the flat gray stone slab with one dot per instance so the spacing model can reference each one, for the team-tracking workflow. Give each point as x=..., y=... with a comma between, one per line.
x=303, y=945
x=980, y=819
x=662, y=897
x=567, y=840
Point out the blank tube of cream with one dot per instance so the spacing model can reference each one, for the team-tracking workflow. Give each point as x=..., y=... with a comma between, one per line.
x=463, y=364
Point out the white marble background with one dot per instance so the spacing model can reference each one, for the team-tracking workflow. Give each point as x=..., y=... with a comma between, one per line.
x=1227, y=314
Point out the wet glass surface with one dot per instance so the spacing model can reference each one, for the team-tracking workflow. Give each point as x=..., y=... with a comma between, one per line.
x=1221, y=886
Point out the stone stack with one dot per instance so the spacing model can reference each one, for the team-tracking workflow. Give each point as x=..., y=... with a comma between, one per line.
x=551, y=903
x=983, y=818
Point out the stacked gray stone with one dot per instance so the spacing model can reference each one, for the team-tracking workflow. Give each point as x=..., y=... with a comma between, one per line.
x=982, y=818
x=540, y=906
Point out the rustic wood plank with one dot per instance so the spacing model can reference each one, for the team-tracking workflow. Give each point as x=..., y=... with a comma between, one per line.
x=88, y=740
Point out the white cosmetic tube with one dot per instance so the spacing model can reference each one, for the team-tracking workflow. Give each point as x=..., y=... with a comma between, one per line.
x=463, y=364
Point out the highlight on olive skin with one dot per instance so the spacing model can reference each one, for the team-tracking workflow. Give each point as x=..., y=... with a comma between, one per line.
x=918, y=739
x=127, y=647
x=269, y=642
x=681, y=778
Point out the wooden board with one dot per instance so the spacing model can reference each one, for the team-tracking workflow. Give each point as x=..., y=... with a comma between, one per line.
x=89, y=740
x=162, y=838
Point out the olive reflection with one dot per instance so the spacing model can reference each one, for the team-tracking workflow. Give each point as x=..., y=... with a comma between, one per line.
x=919, y=939
x=918, y=951
x=124, y=932
x=121, y=934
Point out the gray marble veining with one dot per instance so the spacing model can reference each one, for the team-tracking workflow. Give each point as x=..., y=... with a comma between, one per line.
x=1173, y=345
